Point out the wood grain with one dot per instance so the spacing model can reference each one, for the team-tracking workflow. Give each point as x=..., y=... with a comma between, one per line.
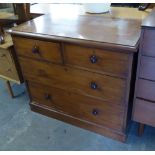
x=75, y=80
x=106, y=61
x=77, y=106
x=122, y=33
x=48, y=51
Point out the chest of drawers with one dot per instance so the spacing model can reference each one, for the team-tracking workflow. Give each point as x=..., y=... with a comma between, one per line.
x=144, y=100
x=75, y=76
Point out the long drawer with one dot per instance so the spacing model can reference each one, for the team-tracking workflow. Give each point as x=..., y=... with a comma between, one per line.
x=81, y=107
x=147, y=67
x=37, y=49
x=146, y=89
x=144, y=112
x=98, y=60
x=79, y=81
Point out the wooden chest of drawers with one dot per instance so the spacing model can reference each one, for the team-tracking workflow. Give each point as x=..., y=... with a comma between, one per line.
x=82, y=82
x=144, y=100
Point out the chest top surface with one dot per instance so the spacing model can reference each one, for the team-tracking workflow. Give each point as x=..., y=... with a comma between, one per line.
x=115, y=31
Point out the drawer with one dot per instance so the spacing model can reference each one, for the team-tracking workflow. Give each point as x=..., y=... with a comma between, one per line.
x=149, y=43
x=146, y=89
x=98, y=60
x=147, y=68
x=7, y=65
x=144, y=112
x=79, y=81
x=81, y=107
x=43, y=50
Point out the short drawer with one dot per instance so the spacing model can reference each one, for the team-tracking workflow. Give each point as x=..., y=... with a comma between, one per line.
x=146, y=89
x=147, y=68
x=148, y=47
x=81, y=107
x=86, y=83
x=144, y=112
x=43, y=50
x=98, y=60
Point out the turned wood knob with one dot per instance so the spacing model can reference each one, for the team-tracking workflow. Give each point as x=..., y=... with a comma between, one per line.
x=47, y=97
x=35, y=49
x=93, y=59
x=95, y=112
x=93, y=85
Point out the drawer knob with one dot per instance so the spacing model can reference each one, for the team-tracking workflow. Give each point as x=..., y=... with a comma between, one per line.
x=35, y=49
x=47, y=97
x=95, y=112
x=93, y=59
x=93, y=85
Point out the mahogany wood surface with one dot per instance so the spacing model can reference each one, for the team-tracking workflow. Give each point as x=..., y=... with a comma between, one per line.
x=79, y=81
x=48, y=51
x=123, y=33
x=79, y=106
x=85, y=68
x=97, y=59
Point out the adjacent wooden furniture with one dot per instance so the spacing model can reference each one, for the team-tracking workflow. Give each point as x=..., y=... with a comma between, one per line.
x=9, y=67
x=144, y=100
x=79, y=70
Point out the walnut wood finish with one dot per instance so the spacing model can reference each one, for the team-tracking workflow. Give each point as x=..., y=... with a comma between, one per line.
x=97, y=60
x=70, y=83
x=113, y=33
x=79, y=81
x=81, y=107
x=41, y=50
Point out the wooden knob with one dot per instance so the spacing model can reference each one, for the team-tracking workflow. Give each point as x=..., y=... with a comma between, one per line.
x=93, y=85
x=95, y=112
x=93, y=59
x=35, y=49
x=47, y=97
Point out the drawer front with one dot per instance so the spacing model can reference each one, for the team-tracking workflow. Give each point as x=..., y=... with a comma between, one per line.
x=147, y=68
x=146, y=89
x=81, y=107
x=43, y=50
x=144, y=112
x=97, y=60
x=149, y=43
x=7, y=66
x=79, y=81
